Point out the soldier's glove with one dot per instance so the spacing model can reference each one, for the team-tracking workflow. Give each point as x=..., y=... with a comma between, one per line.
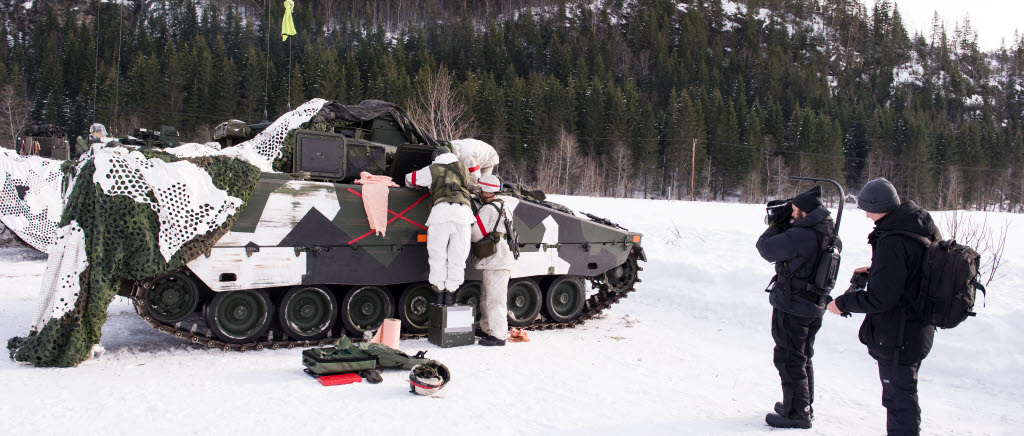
x=858, y=283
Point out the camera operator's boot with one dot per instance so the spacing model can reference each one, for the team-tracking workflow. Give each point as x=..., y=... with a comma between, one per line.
x=449, y=298
x=438, y=295
x=779, y=421
x=781, y=409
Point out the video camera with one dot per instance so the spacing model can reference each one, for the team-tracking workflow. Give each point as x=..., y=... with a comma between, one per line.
x=858, y=283
x=778, y=211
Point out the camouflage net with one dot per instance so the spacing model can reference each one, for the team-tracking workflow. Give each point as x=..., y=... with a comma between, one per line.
x=265, y=148
x=30, y=197
x=122, y=243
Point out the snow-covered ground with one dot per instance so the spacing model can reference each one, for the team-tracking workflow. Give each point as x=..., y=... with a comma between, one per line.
x=688, y=353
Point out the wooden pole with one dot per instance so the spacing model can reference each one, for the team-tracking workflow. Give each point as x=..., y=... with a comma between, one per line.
x=693, y=164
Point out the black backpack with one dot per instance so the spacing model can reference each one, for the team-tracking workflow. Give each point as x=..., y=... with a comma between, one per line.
x=948, y=284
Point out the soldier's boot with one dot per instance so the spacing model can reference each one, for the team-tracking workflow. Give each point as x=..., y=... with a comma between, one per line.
x=449, y=298
x=781, y=409
x=779, y=421
x=491, y=341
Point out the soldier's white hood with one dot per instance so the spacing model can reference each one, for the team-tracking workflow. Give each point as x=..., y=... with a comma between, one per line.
x=446, y=158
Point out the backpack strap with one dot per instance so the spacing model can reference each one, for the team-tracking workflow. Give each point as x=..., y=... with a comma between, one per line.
x=500, y=210
x=923, y=240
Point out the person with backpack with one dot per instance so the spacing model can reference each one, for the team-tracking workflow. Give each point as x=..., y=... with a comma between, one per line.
x=796, y=249
x=448, y=230
x=895, y=336
x=494, y=257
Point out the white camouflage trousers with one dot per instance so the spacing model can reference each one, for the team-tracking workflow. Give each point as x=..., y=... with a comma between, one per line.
x=447, y=250
x=494, y=303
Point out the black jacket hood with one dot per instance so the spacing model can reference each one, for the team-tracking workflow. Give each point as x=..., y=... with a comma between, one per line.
x=908, y=217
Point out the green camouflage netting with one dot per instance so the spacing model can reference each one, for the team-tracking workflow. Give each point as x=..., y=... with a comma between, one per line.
x=121, y=238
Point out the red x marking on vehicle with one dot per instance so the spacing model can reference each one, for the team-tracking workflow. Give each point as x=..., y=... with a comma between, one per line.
x=397, y=215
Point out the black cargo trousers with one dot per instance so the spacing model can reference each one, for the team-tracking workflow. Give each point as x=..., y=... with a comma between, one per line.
x=794, y=347
x=899, y=396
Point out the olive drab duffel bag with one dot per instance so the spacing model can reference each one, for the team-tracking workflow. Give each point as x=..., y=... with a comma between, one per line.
x=346, y=356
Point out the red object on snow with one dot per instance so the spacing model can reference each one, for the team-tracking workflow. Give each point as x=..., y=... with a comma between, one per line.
x=339, y=379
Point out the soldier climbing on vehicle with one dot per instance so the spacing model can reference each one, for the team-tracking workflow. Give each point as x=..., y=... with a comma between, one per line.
x=448, y=229
x=479, y=157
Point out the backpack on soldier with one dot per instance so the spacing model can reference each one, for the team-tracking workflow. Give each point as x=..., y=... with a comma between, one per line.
x=827, y=270
x=949, y=281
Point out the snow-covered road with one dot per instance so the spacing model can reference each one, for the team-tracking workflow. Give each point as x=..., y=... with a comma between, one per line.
x=688, y=353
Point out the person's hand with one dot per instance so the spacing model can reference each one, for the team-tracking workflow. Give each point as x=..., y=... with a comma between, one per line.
x=861, y=270
x=834, y=309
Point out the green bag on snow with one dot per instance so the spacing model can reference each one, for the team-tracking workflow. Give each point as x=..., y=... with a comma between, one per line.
x=346, y=357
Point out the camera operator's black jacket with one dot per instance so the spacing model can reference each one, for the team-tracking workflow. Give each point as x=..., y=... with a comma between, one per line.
x=798, y=249
x=895, y=271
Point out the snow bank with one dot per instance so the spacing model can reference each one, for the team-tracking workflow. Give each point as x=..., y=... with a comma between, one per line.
x=689, y=352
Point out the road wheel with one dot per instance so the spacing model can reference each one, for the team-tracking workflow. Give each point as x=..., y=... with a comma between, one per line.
x=470, y=294
x=564, y=298
x=172, y=297
x=623, y=276
x=524, y=302
x=307, y=312
x=413, y=306
x=365, y=308
x=239, y=317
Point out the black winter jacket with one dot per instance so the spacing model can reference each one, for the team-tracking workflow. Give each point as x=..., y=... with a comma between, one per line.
x=894, y=277
x=798, y=249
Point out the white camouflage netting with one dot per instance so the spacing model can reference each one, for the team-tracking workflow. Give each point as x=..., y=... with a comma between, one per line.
x=193, y=149
x=30, y=197
x=61, y=284
x=186, y=200
x=265, y=147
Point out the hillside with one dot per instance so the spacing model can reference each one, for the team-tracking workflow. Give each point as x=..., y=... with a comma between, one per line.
x=767, y=88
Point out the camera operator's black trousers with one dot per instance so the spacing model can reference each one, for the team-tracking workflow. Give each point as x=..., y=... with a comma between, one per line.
x=794, y=347
x=899, y=396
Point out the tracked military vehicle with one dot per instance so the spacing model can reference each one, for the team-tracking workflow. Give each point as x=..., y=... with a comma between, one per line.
x=300, y=265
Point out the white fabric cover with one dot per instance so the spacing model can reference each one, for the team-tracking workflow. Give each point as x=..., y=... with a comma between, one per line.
x=447, y=250
x=266, y=146
x=67, y=261
x=35, y=217
x=488, y=215
x=187, y=202
x=193, y=149
x=494, y=303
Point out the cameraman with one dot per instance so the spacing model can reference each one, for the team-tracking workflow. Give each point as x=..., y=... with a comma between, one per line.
x=796, y=315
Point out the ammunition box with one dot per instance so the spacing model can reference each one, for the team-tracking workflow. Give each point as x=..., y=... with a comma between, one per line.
x=450, y=326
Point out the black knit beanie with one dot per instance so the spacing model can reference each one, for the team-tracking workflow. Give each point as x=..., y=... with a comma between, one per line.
x=809, y=200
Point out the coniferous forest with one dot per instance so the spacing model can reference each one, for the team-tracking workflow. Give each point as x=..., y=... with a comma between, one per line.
x=645, y=98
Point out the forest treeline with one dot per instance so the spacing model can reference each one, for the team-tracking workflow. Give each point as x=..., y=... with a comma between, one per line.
x=651, y=98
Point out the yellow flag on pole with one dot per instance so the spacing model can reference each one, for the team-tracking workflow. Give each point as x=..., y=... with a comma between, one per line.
x=287, y=26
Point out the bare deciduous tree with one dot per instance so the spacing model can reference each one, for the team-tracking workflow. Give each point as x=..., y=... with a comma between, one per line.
x=439, y=109
x=570, y=160
x=14, y=110
x=988, y=243
x=622, y=170
x=591, y=177
x=951, y=189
